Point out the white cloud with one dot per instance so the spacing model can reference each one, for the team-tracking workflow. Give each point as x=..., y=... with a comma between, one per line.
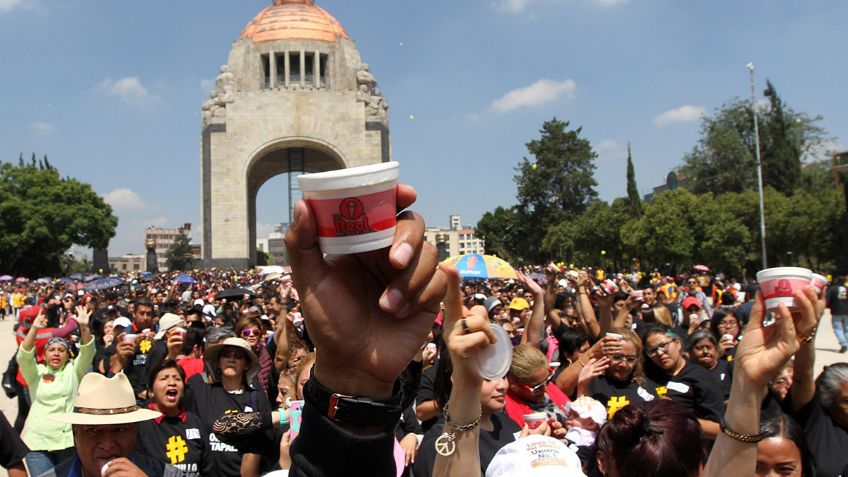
x=8, y=5
x=128, y=90
x=42, y=126
x=206, y=85
x=537, y=94
x=512, y=6
x=124, y=199
x=608, y=145
x=682, y=114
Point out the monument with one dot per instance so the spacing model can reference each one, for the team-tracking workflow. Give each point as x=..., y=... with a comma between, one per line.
x=294, y=97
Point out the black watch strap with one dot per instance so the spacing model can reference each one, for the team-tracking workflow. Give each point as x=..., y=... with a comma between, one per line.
x=356, y=410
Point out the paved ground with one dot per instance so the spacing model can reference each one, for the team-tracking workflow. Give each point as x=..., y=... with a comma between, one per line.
x=826, y=346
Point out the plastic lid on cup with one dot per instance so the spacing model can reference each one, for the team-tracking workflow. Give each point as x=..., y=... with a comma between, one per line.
x=494, y=360
x=352, y=177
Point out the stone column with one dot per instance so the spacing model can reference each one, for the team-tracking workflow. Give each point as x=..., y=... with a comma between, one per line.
x=302, y=69
x=287, y=68
x=316, y=70
x=272, y=65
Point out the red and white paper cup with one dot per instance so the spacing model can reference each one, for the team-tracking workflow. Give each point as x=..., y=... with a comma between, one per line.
x=535, y=419
x=356, y=208
x=819, y=283
x=778, y=285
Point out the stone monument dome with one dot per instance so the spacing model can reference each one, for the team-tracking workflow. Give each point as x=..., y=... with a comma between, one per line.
x=294, y=20
x=293, y=97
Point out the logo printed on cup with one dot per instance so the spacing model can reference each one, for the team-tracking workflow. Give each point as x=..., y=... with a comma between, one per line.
x=778, y=285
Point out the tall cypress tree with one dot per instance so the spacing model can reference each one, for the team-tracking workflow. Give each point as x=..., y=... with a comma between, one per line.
x=632, y=191
x=781, y=154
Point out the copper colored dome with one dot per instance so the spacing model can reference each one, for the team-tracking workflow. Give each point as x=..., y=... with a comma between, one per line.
x=294, y=20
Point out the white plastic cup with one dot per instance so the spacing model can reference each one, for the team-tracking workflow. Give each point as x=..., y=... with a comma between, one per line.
x=778, y=285
x=494, y=360
x=819, y=283
x=355, y=208
x=553, y=366
x=535, y=419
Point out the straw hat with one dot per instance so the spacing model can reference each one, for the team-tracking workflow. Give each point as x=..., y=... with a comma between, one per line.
x=214, y=351
x=105, y=401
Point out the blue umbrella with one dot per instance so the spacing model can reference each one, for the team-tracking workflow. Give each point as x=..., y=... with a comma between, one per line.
x=66, y=280
x=104, y=283
x=184, y=279
x=76, y=276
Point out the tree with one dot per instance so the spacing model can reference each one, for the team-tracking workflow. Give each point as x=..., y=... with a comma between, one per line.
x=559, y=183
x=179, y=256
x=499, y=229
x=665, y=233
x=42, y=215
x=633, y=199
x=724, y=160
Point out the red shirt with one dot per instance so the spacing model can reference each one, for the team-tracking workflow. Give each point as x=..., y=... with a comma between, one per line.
x=517, y=408
x=191, y=366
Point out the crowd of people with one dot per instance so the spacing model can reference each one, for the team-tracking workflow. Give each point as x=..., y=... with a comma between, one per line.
x=364, y=365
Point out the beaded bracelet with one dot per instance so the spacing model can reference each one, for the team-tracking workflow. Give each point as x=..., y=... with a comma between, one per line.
x=746, y=438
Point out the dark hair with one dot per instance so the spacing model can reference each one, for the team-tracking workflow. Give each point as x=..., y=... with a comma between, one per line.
x=782, y=425
x=166, y=364
x=698, y=335
x=619, y=296
x=656, y=328
x=193, y=337
x=720, y=315
x=144, y=301
x=570, y=341
x=654, y=439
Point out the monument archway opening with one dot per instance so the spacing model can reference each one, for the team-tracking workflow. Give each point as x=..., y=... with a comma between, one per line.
x=289, y=159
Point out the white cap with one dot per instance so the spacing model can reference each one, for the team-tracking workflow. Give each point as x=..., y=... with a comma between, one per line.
x=198, y=302
x=122, y=321
x=209, y=310
x=168, y=321
x=535, y=456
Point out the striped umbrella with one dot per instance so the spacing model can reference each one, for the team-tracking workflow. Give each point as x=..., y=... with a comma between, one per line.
x=477, y=265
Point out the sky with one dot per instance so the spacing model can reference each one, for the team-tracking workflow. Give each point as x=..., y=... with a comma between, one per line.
x=111, y=91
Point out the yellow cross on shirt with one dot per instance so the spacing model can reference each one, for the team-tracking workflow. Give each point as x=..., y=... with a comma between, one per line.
x=614, y=404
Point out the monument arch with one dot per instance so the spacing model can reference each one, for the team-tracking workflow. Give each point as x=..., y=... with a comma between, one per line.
x=294, y=97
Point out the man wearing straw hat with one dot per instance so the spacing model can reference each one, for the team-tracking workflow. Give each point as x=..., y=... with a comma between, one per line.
x=104, y=425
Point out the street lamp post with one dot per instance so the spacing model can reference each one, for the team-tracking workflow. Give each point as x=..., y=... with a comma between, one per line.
x=750, y=67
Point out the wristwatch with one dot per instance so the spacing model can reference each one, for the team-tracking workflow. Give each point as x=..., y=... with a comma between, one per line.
x=357, y=410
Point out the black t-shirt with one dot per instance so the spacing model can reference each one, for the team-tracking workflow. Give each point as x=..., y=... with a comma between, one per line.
x=211, y=401
x=723, y=372
x=181, y=444
x=616, y=394
x=695, y=388
x=12, y=448
x=136, y=368
x=828, y=442
x=837, y=299
x=491, y=442
x=426, y=393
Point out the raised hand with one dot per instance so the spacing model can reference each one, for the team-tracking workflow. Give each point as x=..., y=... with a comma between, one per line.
x=83, y=316
x=369, y=311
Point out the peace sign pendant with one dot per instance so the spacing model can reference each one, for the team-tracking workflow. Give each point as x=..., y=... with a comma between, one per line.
x=445, y=444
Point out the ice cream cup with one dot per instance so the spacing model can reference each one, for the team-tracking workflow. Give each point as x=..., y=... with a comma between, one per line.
x=535, y=419
x=819, y=282
x=553, y=365
x=778, y=285
x=355, y=208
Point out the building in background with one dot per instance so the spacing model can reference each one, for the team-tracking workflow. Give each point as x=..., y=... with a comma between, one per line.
x=160, y=239
x=274, y=245
x=456, y=240
x=128, y=263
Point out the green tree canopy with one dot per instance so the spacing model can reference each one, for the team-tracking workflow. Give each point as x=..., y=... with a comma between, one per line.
x=43, y=214
x=724, y=160
x=559, y=183
x=633, y=199
x=179, y=256
x=500, y=231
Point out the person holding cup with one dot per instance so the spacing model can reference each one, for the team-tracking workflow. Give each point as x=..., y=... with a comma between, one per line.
x=726, y=328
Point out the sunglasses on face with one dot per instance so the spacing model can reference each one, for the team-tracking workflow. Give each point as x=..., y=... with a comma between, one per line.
x=538, y=387
x=660, y=347
x=251, y=332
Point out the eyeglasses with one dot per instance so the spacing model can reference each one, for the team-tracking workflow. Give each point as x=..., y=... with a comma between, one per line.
x=251, y=332
x=538, y=387
x=617, y=358
x=728, y=323
x=656, y=349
